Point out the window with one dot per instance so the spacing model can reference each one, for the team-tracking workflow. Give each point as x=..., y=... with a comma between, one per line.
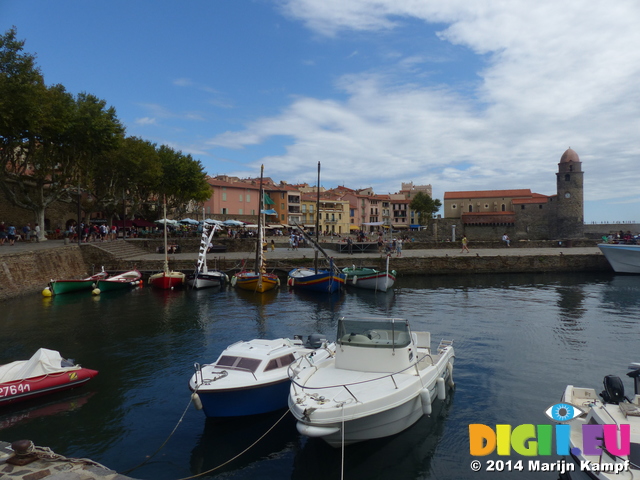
x=282, y=206
x=486, y=205
x=239, y=211
x=240, y=198
x=521, y=207
x=454, y=206
x=567, y=178
x=224, y=211
x=280, y=362
x=540, y=207
x=224, y=197
x=239, y=363
x=471, y=208
x=504, y=207
x=248, y=197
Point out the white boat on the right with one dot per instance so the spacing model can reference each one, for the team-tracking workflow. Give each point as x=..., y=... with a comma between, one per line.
x=383, y=378
x=598, y=453
x=623, y=258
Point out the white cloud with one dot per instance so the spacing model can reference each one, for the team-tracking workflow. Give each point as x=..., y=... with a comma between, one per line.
x=556, y=74
x=145, y=121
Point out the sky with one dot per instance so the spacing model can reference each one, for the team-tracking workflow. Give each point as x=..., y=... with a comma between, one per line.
x=459, y=94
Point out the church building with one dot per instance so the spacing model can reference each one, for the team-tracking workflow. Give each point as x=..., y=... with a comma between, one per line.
x=521, y=213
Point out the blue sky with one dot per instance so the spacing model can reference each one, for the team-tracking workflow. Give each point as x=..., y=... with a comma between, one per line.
x=462, y=95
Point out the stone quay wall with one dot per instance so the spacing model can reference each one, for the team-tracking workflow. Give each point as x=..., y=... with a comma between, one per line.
x=31, y=271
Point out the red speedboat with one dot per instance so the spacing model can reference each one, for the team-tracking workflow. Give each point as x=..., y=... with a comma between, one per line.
x=45, y=372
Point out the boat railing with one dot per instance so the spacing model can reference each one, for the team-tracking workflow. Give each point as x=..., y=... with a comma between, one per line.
x=347, y=385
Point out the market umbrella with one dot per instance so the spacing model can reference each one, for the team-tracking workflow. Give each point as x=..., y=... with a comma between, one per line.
x=189, y=221
x=167, y=221
x=211, y=220
x=233, y=223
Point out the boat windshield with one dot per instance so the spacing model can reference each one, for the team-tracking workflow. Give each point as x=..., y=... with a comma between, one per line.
x=239, y=363
x=374, y=333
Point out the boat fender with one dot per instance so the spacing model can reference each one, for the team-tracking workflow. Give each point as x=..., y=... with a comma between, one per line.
x=355, y=279
x=441, y=389
x=278, y=281
x=226, y=278
x=425, y=397
x=450, y=380
x=234, y=280
x=95, y=291
x=195, y=398
x=291, y=282
x=47, y=292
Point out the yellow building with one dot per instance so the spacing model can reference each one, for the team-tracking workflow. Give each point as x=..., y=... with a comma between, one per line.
x=334, y=214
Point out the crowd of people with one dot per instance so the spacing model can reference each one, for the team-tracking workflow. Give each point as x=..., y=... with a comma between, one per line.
x=10, y=233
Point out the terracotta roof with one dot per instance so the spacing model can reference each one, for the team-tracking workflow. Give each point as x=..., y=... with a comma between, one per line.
x=220, y=183
x=488, y=194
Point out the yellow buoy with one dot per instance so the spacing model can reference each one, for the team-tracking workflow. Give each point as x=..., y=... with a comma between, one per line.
x=47, y=292
x=96, y=291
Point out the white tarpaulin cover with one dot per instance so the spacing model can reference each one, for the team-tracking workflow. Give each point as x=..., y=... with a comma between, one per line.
x=42, y=362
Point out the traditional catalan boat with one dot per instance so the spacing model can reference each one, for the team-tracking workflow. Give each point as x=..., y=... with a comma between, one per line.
x=167, y=279
x=317, y=279
x=45, y=372
x=370, y=278
x=202, y=277
x=257, y=280
x=57, y=287
x=251, y=378
x=123, y=281
x=383, y=378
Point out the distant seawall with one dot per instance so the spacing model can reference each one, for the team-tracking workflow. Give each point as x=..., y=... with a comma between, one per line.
x=29, y=272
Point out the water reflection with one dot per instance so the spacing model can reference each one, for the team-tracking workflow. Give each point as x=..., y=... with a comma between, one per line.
x=223, y=440
x=405, y=455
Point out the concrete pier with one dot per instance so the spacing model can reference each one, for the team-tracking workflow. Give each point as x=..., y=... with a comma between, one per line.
x=47, y=465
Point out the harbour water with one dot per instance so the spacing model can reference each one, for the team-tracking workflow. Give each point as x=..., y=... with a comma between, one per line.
x=519, y=340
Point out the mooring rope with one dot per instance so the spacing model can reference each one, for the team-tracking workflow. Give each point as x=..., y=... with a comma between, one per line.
x=167, y=439
x=240, y=454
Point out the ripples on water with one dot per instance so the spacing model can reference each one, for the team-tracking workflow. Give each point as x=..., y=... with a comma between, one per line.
x=519, y=340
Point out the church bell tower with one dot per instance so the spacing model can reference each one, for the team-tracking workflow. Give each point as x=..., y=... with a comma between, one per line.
x=570, y=186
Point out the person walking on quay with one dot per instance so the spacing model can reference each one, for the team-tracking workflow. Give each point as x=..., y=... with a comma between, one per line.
x=465, y=248
x=399, y=247
x=36, y=232
x=26, y=232
x=11, y=232
x=505, y=239
x=3, y=233
x=350, y=245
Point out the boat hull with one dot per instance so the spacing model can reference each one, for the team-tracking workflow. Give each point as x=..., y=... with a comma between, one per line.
x=25, y=389
x=59, y=287
x=167, y=280
x=245, y=401
x=256, y=283
x=206, y=280
x=323, y=281
x=370, y=280
x=622, y=258
x=120, y=282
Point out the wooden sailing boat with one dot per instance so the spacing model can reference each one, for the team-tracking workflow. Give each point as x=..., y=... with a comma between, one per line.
x=166, y=280
x=258, y=280
x=316, y=279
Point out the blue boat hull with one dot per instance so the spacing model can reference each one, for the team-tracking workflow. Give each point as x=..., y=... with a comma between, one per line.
x=323, y=281
x=246, y=401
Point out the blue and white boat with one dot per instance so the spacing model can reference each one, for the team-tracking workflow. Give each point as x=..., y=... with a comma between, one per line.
x=623, y=258
x=251, y=378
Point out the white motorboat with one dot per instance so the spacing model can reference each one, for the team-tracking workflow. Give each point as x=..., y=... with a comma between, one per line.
x=382, y=380
x=623, y=258
x=251, y=377
x=618, y=459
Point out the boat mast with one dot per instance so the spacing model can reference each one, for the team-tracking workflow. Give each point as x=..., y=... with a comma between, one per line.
x=258, y=266
x=166, y=254
x=317, y=219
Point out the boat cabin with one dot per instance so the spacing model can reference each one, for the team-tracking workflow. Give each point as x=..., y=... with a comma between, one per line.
x=249, y=356
x=375, y=345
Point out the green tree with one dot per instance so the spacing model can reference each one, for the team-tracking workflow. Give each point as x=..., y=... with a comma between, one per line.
x=48, y=138
x=426, y=207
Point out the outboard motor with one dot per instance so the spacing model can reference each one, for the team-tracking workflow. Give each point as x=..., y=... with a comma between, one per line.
x=635, y=374
x=316, y=340
x=613, y=390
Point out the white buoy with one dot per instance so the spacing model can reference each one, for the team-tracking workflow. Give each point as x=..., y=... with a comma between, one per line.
x=234, y=280
x=195, y=398
x=96, y=291
x=450, y=369
x=440, y=388
x=425, y=397
x=355, y=279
